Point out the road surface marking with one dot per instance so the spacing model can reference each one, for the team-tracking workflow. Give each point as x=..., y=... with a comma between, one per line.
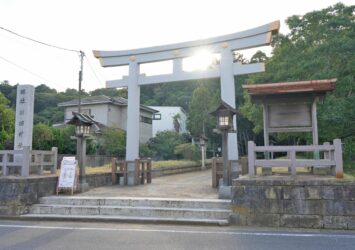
x=275, y=234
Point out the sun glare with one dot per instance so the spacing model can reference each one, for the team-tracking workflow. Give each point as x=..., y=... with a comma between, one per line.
x=202, y=60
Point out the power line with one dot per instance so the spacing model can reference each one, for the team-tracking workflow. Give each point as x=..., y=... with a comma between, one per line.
x=93, y=71
x=36, y=41
x=24, y=69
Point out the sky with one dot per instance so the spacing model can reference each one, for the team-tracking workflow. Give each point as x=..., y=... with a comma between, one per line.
x=119, y=25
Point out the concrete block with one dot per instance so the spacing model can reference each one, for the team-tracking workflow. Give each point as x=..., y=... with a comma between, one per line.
x=265, y=220
x=272, y=192
x=349, y=192
x=338, y=208
x=267, y=206
x=336, y=222
x=238, y=219
x=312, y=193
x=238, y=192
x=253, y=192
x=294, y=207
x=314, y=207
x=300, y=207
x=328, y=192
x=302, y=221
x=351, y=223
x=241, y=210
x=293, y=193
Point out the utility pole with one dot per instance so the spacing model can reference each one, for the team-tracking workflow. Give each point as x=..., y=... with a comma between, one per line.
x=82, y=54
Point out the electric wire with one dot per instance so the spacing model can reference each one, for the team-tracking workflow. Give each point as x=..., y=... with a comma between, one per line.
x=49, y=45
x=36, y=41
x=24, y=69
x=93, y=71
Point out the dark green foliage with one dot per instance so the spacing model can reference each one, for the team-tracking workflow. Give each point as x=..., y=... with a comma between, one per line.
x=62, y=140
x=188, y=151
x=7, y=121
x=164, y=143
x=145, y=151
x=171, y=94
x=43, y=137
x=204, y=100
x=110, y=92
x=112, y=142
x=321, y=45
x=9, y=92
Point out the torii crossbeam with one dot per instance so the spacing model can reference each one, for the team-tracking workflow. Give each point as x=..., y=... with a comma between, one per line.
x=224, y=45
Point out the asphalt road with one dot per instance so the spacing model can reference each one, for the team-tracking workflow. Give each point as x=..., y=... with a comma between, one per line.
x=81, y=235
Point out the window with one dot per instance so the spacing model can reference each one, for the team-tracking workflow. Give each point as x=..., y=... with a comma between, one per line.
x=147, y=120
x=157, y=116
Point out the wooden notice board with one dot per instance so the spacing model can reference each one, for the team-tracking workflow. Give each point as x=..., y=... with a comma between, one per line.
x=68, y=175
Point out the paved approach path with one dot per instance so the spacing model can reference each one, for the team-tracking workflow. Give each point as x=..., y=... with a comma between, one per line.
x=188, y=185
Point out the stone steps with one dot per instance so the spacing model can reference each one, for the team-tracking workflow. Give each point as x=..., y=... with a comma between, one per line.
x=191, y=211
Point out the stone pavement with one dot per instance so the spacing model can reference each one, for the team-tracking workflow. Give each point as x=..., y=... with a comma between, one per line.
x=187, y=185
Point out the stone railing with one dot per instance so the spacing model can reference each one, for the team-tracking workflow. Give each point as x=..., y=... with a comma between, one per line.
x=332, y=157
x=27, y=160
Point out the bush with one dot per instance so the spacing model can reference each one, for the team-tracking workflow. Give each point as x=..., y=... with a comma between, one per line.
x=144, y=151
x=188, y=151
x=164, y=143
x=112, y=142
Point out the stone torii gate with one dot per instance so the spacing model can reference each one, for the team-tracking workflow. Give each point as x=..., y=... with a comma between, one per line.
x=224, y=45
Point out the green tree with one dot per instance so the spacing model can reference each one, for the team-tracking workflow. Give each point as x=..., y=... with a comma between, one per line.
x=188, y=151
x=204, y=100
x=112, y=142
x=9, y=92
x=321, y=45
x=7, y=121
x=43, y=137
x=62, y=140
x=164, y=143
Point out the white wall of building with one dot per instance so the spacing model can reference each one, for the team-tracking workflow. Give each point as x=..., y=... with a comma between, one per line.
x=113, y=116
x=99, y=111
x=167, y=119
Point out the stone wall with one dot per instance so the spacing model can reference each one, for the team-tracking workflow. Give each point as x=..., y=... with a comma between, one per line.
x=18, y=193
x=303, y=202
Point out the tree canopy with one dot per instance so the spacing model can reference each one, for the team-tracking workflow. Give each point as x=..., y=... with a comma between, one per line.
x=320, y=45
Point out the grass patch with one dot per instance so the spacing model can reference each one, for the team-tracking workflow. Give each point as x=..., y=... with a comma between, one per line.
x=173, y=163
x=98, y=170
x=155, y=165
x=282, y=170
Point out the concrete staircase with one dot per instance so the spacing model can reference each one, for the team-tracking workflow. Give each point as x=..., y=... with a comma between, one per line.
x=186, y=211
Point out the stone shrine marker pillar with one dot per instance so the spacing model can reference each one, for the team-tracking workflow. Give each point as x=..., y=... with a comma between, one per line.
x=24, y=116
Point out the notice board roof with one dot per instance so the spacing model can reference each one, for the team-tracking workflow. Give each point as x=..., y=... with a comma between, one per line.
x=312, y=86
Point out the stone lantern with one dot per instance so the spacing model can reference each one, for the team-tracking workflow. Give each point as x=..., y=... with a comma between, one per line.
x=224, y=114
x=83, y=124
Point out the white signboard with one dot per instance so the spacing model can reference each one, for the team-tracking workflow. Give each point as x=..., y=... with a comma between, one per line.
x=67, y=177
